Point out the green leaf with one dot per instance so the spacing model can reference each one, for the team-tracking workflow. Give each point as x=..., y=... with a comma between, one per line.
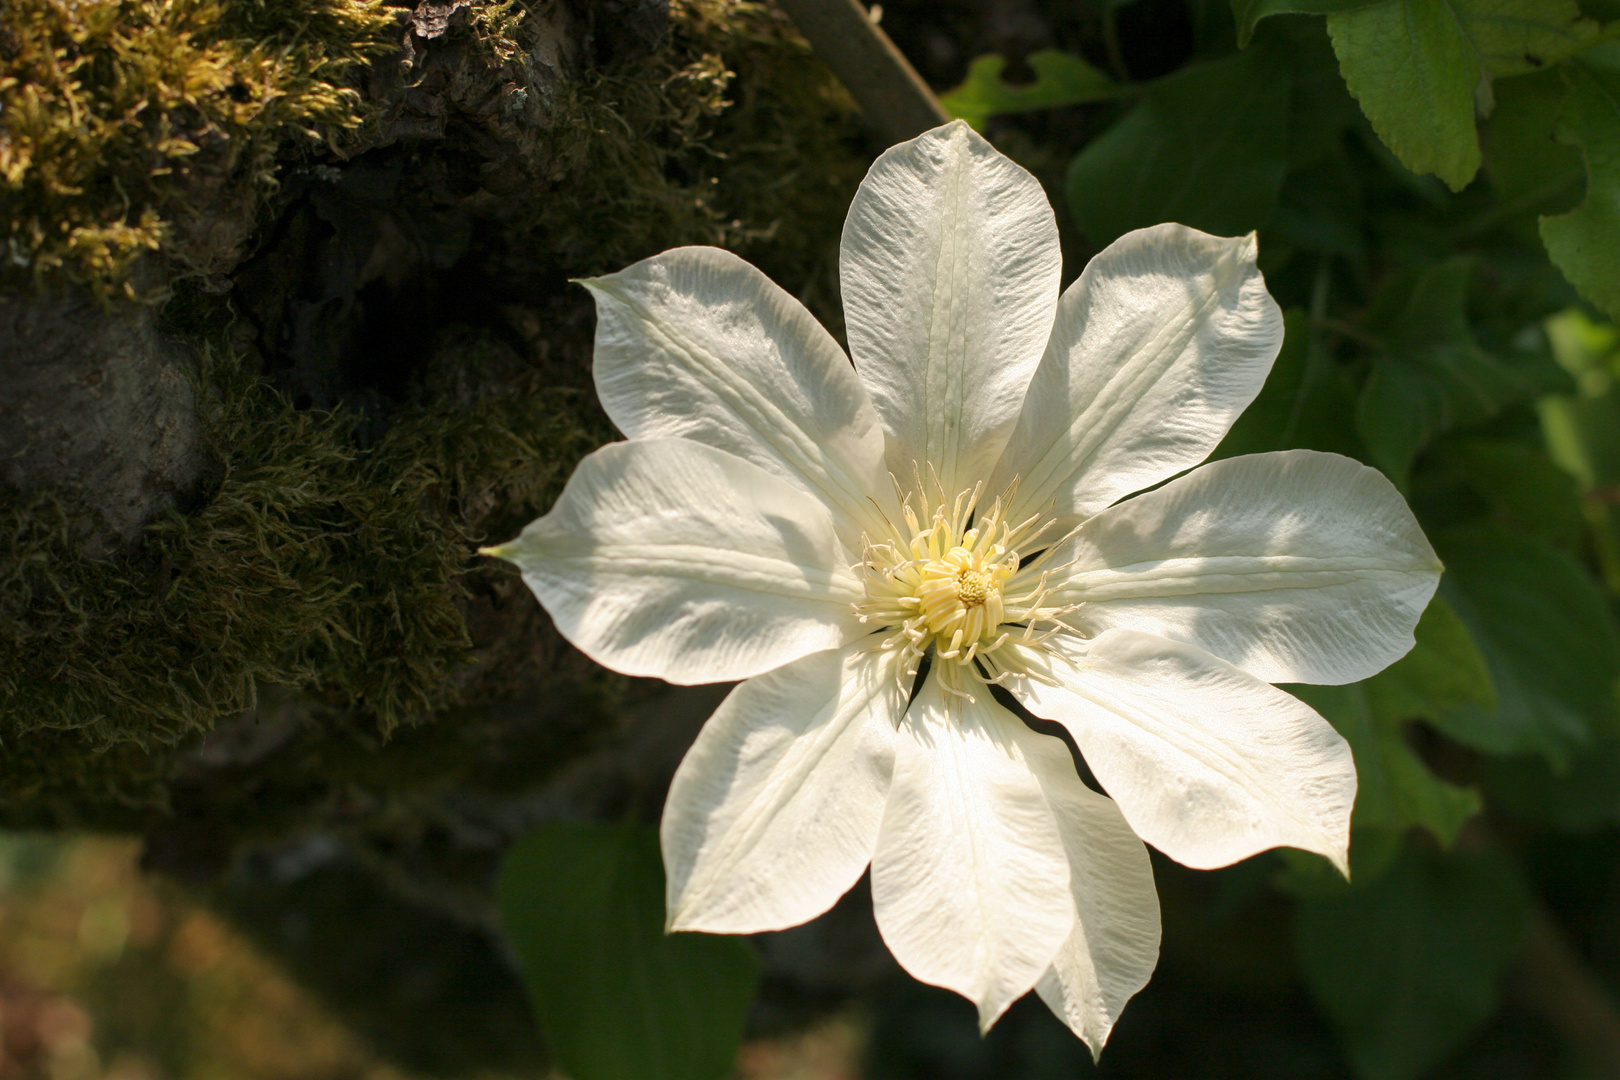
x=1060, y=79
x=1444, y=670
x=1307, y=402
x=1395, y=788
x=1584, y=797
x=1417, y=67
x=1207, y=146
x=1527, y=165
x=1587, y=348
x=1549, y=636
x=1307, y=875
x=617, y=998
x=1249, y=12
x=1524, y=486
x=1429, y=375
x=1585, y=243
x=1582, y=431
x=1322, y=109
x=1319, y=211
x=1515, y=37
x=1409, y=966
x=1409, y=65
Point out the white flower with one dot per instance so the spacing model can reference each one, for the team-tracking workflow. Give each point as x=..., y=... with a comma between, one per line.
x=949, y=506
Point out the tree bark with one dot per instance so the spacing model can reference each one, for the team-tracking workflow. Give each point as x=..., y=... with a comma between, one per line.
x=94, y=403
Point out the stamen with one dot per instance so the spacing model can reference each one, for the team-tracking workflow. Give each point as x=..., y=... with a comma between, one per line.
x=952, y=587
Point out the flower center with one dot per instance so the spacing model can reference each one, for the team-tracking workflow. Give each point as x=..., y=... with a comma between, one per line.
x=947, y=585
x=962, y=592
x=973, y=587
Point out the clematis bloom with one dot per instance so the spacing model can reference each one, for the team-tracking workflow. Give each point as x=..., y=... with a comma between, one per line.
x=885, y=551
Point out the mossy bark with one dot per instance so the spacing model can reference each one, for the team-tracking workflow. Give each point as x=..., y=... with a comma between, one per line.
x=337, y=348
x=98, y=406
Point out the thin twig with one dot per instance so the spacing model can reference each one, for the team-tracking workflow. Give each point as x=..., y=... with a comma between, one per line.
x=1552, y=979
x=1116, y=55
x=1555, y=982
x=1346, y=330
x=892, y=96
x=1512, y=208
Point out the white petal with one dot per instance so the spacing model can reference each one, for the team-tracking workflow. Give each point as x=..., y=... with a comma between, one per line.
x=670, y=559
x=970, y=881
x=774, y=811
x=695, y=343
x=1207, y=763
x=1157, y=347
x=1295, y=566
x=950, y=269
x=1114, y=946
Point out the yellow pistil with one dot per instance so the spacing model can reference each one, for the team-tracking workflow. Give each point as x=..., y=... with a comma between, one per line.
x=960, y=595
x=955, y=593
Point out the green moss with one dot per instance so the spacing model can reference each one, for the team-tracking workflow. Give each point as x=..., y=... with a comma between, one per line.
x=310, y=563
x=733, y=134
x=136, y=126
x=120, y=120
x=54, y=779
x=496, y=24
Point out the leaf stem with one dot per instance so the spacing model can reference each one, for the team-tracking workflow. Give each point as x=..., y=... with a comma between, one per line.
x=1116, y=55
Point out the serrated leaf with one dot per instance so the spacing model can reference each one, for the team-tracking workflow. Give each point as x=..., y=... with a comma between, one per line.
x=617, y=998
x=1207, y=146
x=1060, y=79
x=1429, y=376
x=1418, y=68
x=1548, y=635
x=1248, y=13
x=1407, y=62
x=1409, y=966
x=1585, y=243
